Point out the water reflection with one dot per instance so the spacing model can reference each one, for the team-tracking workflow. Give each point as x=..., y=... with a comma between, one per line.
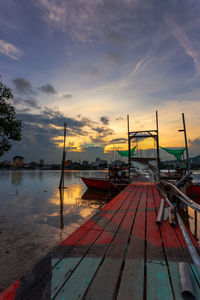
x=17, y=178
x=39, y=202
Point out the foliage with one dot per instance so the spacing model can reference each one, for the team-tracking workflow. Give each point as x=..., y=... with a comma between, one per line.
x=10, y=128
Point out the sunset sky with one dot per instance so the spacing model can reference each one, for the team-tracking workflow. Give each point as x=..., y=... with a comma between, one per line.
x=92, y=62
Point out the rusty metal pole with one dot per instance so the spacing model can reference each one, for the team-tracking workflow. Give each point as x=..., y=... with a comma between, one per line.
x=129, y=148
x=157, y=144
x=186, y=145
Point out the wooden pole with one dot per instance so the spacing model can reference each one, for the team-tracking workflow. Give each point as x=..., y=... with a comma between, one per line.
x=157, y=144
x=61, y=185
x=129, y=148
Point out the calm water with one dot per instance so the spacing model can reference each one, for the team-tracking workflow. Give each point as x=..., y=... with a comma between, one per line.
x=34, y=217
x=32, y=198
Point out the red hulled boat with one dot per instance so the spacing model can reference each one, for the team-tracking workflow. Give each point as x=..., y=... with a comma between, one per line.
x=102, y=183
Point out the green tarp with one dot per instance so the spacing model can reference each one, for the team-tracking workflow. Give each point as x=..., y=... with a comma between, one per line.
x=176, y=153
x=125, y=153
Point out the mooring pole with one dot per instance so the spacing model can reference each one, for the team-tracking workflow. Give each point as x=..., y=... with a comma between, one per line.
x=129, y=148
x=157, y=144
x=186, y=145
x=61, y=185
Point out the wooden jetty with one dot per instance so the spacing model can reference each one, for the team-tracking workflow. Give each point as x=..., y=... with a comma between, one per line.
x=120, y=253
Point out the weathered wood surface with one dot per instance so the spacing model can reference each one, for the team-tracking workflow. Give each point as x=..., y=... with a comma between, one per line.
x=120, y=253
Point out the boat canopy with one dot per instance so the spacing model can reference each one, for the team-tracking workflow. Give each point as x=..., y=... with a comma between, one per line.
x=125, y=153
x=176, y=153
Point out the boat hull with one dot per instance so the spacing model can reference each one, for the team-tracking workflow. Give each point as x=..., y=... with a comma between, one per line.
x=101, y=183
x=193, y=192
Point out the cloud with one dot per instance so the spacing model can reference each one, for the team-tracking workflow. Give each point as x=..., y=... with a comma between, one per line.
x=48, y=89
x=185, y=41
x=118, y=141
x=30, y=102
x=10, y=50
x=115, y=37
x=22, y=86
x=89, y=20
x=104, y=120
x=44, y=130
x=67, y=96
x=103, y=131
x=194, y=146
x=119, y=119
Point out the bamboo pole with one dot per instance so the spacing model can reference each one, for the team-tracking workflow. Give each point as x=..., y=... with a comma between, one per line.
x=61, y=185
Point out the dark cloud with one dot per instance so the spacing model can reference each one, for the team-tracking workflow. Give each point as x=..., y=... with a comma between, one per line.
x=119, y=119
x=103, y=131
x=67, y=96
x=30, y=102
x=22, y=86
x=104, y=120
x=48, y=89
x=40, y=129
x=98, y=129
x=118, y=141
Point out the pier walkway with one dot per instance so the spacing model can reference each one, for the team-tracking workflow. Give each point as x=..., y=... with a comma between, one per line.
x=120, y=253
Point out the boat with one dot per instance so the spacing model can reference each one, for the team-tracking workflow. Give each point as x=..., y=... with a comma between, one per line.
x=103, y=183
x=193, y=192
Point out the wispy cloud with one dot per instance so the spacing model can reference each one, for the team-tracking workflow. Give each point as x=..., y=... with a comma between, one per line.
x=87, y=20
x=10, y=50
x=188, y=45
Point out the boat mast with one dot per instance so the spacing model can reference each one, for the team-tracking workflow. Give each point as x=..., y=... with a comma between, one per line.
x=186, y=145
x=61, y=185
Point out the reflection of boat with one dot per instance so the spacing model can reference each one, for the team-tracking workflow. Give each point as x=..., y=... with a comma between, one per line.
x=193, y=191
x=103, y=183
x=100, y=195
x=94, y=198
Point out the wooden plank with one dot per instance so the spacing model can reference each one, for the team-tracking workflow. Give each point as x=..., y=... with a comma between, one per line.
x=172, y=239
x=132, y=281
x=97, y=256
x=173, y=250
x=38, y=279
x=158, y=283
x=106, y=279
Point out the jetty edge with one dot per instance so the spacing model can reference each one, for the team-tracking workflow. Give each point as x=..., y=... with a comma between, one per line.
x=120, y=253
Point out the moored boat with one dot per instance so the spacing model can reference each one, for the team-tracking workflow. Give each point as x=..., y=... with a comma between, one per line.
x=103, y=183
x=193, y=192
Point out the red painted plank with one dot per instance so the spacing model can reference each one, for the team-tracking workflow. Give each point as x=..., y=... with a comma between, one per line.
x=10, y=292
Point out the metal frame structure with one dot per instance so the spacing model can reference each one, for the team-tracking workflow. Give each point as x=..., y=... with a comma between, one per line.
x=144, y=134
x=186, y=145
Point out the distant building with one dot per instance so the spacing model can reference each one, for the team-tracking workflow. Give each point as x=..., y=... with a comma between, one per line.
x=41, y=163
x=18, y=162
x=85, y=163
x=5, y=164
